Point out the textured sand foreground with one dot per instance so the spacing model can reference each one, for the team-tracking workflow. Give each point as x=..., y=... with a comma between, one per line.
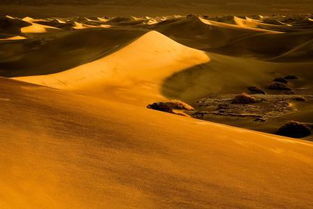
x=60, y=150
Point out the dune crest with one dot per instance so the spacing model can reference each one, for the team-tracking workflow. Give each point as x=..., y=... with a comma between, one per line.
x=35, y=27
x=240, y=25
x=142, y=65
x=13, y=38
x=259, y=25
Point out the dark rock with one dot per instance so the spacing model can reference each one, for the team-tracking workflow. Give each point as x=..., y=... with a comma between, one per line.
x=281, y=80
x=278, y=86
x=255, y=90
x=291, y=77
x=299, y=99
x=160, y=106
x=170, y=106
x=294, y=129
x=243, y=99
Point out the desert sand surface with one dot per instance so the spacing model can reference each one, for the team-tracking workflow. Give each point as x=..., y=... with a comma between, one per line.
x=76, y=131
x=62, y=150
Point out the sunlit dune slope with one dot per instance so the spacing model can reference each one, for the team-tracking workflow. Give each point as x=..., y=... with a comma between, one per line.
x=37, y=28
x=139, y=68
x=13, y=38
x=61, y=150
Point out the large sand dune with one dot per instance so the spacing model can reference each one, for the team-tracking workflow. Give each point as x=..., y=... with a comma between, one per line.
x=75, y=131
x=141, y=66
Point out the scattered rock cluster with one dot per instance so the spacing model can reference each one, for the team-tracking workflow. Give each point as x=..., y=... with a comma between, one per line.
x=281, y=84
x=278, y=84
x=258, y=105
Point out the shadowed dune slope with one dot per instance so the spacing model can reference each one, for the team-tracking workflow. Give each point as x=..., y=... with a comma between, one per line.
x=74, y=151
x=10, y=26
x=50, y=53
x=232, y=75
x=269, y=46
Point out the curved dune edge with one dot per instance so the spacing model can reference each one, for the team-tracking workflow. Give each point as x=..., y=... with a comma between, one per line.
x=80, y=26
x=255, y=24
x=138, y=68
x=81, y=152
x=239, y=25
x=35, y=27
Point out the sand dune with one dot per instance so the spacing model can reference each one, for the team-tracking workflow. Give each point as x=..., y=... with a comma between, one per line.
x=160, y=57
x=251, y=23
x=240, y=22
x=13, y=38
x=79, y=26
x=35, y=27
